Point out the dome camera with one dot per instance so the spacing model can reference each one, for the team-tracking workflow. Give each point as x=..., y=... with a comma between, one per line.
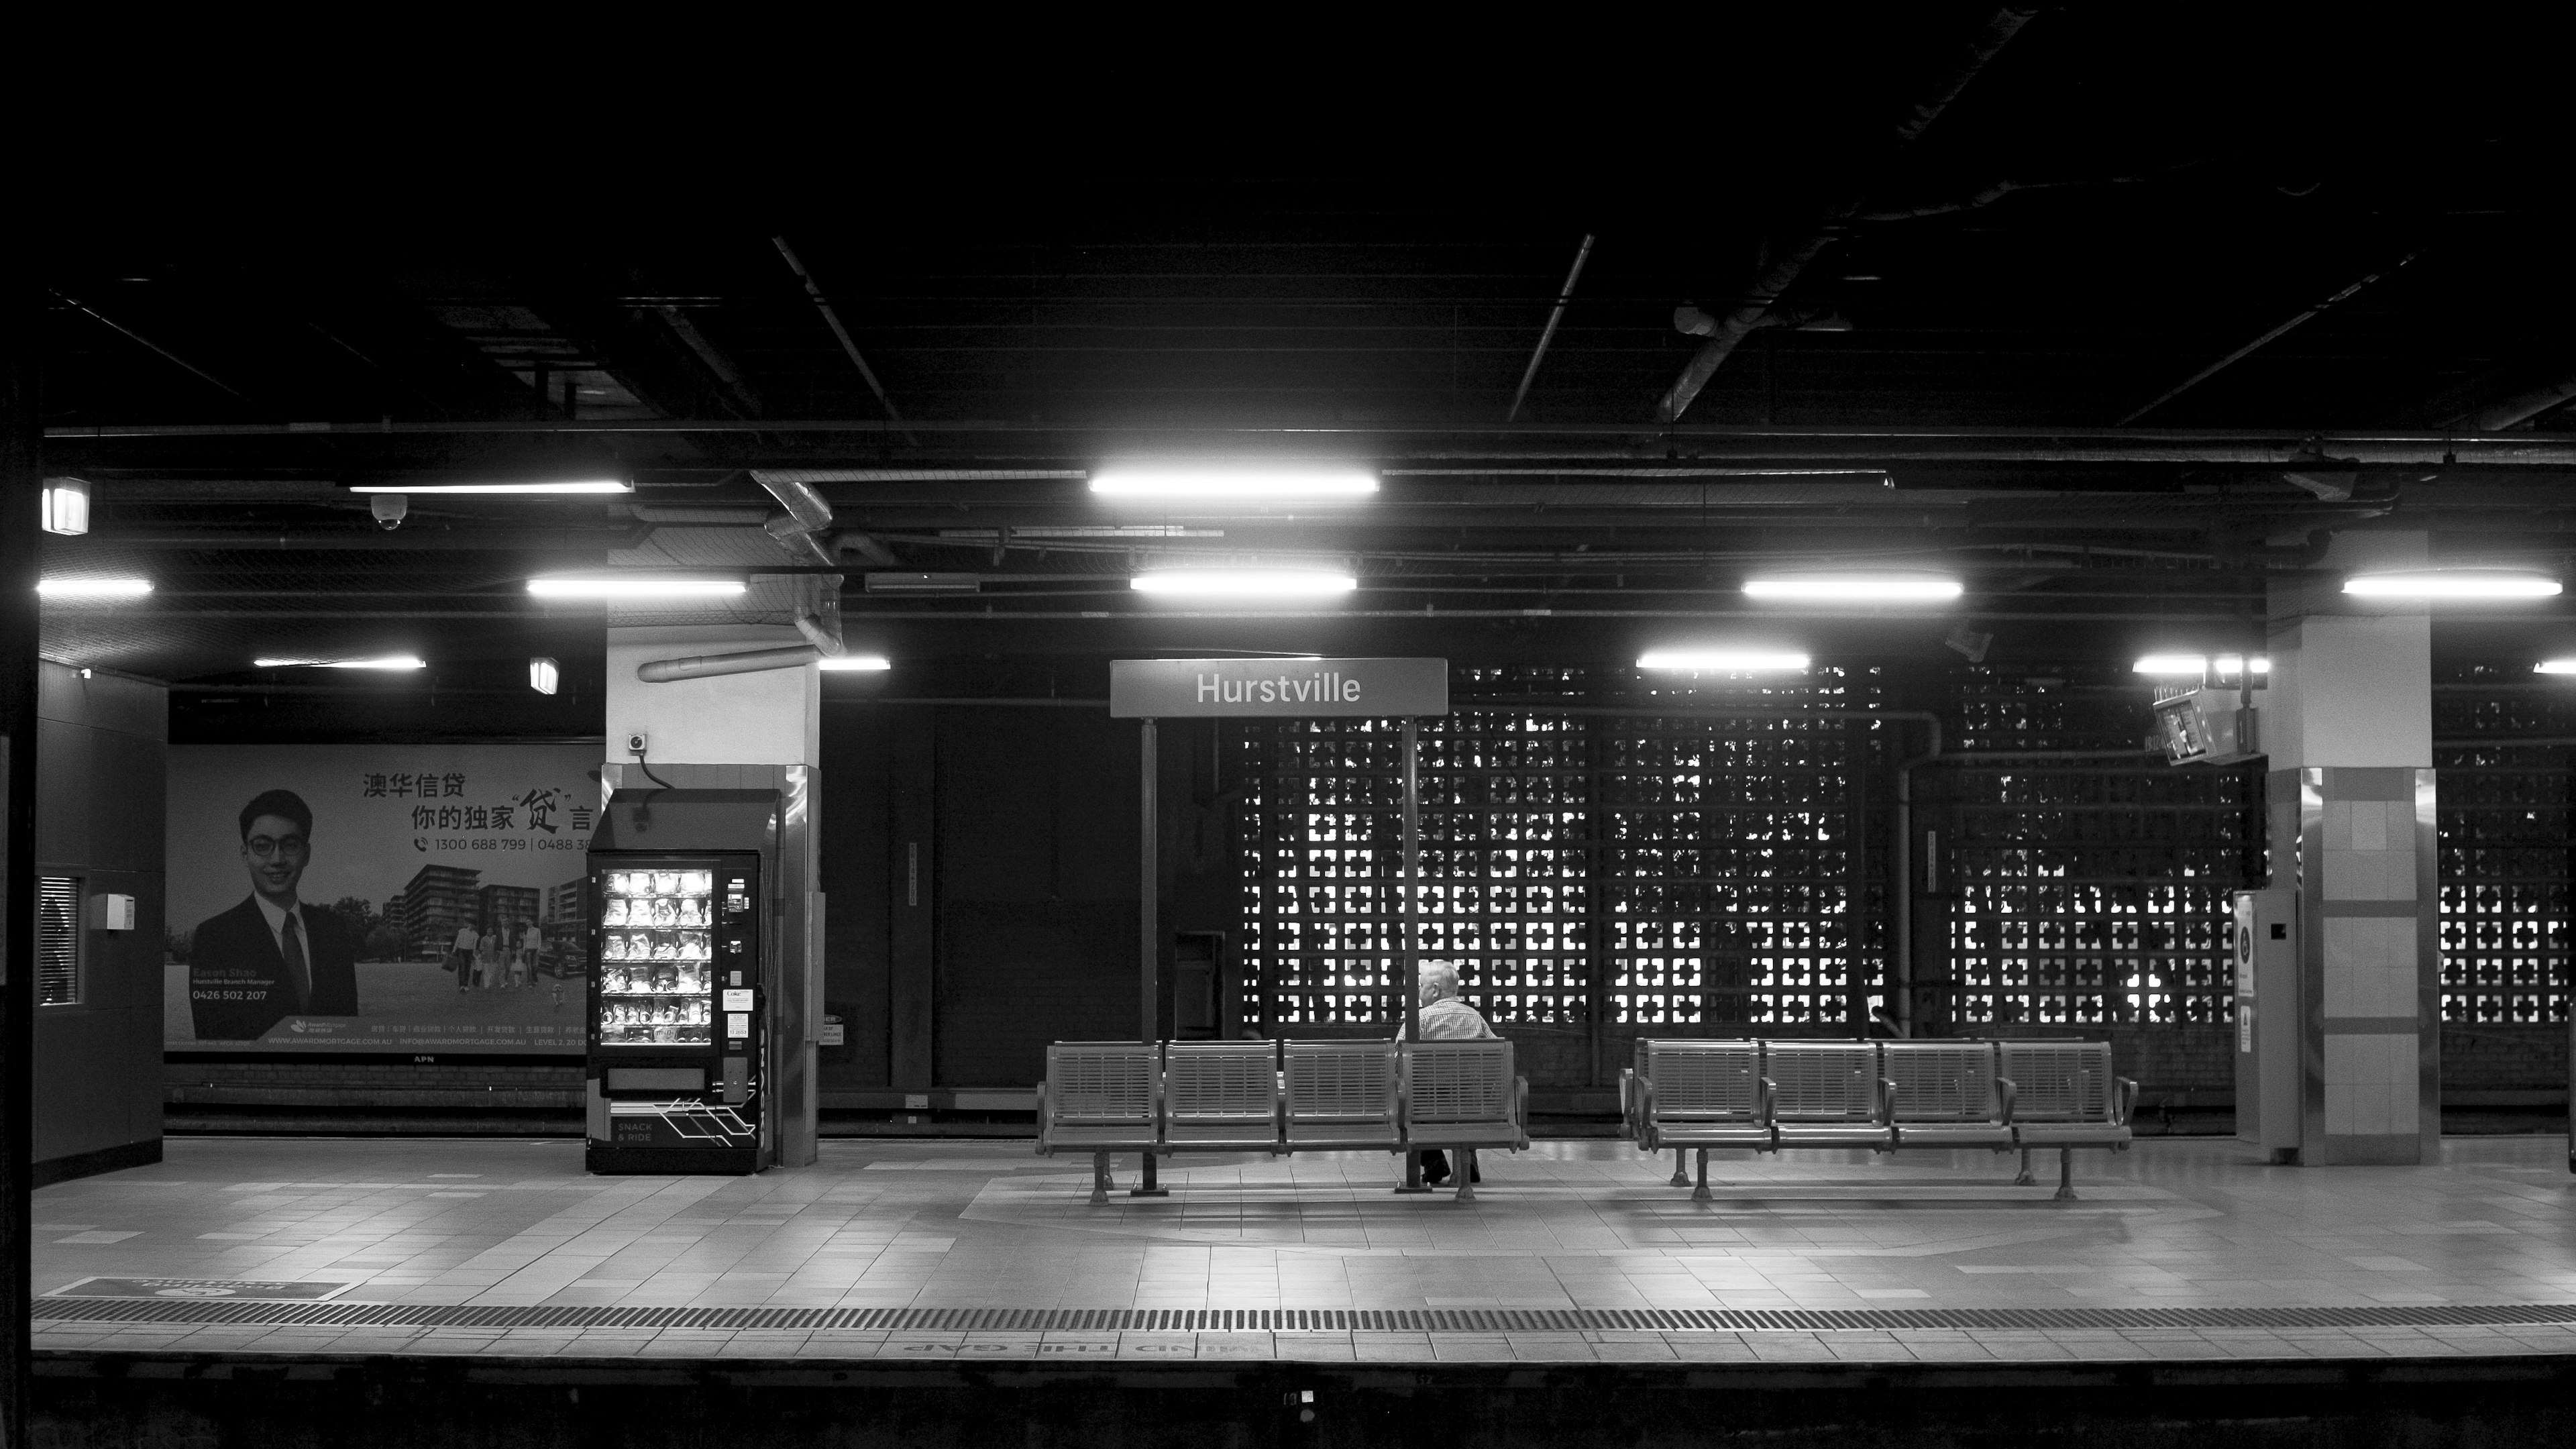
x=389, y=509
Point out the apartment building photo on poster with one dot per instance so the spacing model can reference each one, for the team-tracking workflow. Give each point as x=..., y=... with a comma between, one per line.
x=397, y=898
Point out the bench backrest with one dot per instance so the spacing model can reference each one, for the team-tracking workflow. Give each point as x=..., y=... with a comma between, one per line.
x=1822, y=1081
x=1941, y=1081
x=1339, y=1081
x=2059, y=1081
x=1101, y=1081
x=1703, y=1081
x=1459, y=1081
x=1228, y=1079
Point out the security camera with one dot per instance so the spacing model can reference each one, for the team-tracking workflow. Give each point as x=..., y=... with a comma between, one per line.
x=389, y=509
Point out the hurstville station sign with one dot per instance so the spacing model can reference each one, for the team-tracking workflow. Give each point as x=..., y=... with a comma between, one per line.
x=1278, y=688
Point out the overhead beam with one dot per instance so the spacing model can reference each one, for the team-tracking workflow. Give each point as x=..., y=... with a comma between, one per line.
x=1740, y=323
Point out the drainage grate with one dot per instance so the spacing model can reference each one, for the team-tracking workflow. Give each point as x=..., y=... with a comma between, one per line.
x=1293, y=1320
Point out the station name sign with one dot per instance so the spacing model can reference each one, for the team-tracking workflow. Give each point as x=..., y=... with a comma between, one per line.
x=1276, y=688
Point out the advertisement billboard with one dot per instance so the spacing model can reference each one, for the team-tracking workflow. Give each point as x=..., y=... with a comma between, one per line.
x=378, y=898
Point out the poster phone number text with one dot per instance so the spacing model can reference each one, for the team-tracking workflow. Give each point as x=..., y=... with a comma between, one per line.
x=504, y=842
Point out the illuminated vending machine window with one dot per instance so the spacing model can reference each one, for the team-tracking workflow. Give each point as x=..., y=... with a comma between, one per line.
x=674, y=1069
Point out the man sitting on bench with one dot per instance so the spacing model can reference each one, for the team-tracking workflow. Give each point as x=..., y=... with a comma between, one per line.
x=1445, y=1017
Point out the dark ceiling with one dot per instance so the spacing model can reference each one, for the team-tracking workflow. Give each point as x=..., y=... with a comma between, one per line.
x=2071, y=303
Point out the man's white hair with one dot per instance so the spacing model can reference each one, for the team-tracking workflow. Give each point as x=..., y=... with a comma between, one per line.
x=1437, y=979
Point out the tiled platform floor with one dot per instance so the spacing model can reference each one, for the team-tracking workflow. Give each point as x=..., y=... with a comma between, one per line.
x=2176, y=1223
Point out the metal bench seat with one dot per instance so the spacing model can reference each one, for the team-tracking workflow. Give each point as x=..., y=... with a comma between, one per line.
x=1461, y=1094
x=1827, y=1094
x=1100, y=1097
x=1220, y=1095
x=1340, y=1095
x=1698, y=1094
x=1944, y=1094
x=2063, y=1094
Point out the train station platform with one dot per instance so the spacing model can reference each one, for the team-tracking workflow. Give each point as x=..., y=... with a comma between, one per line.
x=1573, y=1252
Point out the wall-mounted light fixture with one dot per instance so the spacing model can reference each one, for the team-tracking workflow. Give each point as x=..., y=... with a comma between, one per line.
x=94, y=589
x=1734, y=661
x=395, y=662
x=544, y=675
x=1220, y=482
x=1245, y=583
x=2452, y=584
x=636, y=586
x=1855, y=588
x=66, y=505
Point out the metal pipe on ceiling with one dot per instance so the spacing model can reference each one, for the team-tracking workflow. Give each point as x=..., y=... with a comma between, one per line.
x=2523, y=406
x=708, y=666
x=849, y=344
x=1608, y=442
x=1564, y=295
x=1741, y=322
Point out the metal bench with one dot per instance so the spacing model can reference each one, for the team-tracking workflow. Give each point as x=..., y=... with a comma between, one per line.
x=1886, y=1096
x=1100, y=1097
x=1463, y=1095
x=1280, y=1097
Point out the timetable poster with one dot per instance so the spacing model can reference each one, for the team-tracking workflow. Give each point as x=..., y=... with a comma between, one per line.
x=378, y=898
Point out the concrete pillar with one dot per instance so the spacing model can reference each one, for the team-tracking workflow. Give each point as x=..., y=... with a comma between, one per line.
x=732, y=732
x=2348, y=725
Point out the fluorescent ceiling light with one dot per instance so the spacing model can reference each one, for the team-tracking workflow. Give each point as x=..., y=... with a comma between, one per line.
x=1855, y=588
x=1240, y=583
x=2555, y=666
x=640, y=586
x=94, y=588
x=2196, y=664
x=570, y=485
x=386, y=661
x=1736, y=660
x=2453, y=584
x=1217, y=481
x=856, y=663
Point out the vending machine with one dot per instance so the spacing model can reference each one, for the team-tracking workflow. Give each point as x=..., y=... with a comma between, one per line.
x=675, y=1014
x=2271, y=1008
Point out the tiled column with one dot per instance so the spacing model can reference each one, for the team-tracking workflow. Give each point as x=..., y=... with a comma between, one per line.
x=2347, y=723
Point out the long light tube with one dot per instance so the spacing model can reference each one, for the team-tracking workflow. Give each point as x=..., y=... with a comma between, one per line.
x=2555, y=666
x=1245, y=583
x=572, y=485
x=1732, y=660
x=384, y=661
x=108, y=588
x=1219, y=482
x=639, y=587
x=2196, y=664
x=856, y=663
x=2452, y=584
x=1855, y=588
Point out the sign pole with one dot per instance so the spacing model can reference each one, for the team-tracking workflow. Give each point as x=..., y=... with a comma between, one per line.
x=1149, y=926
x=1412, y=950
x=1406, y=965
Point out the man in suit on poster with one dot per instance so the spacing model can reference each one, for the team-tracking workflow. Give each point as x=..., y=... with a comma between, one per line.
x=272, y=956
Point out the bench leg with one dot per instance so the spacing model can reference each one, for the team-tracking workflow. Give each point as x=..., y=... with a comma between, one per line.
x=1681, y=1175
x=2025, y=1179
x=1701, y=1192
x=1466, y=1174
x=2066, y=1174
x=1100, y=1177
x=1146, y=1185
